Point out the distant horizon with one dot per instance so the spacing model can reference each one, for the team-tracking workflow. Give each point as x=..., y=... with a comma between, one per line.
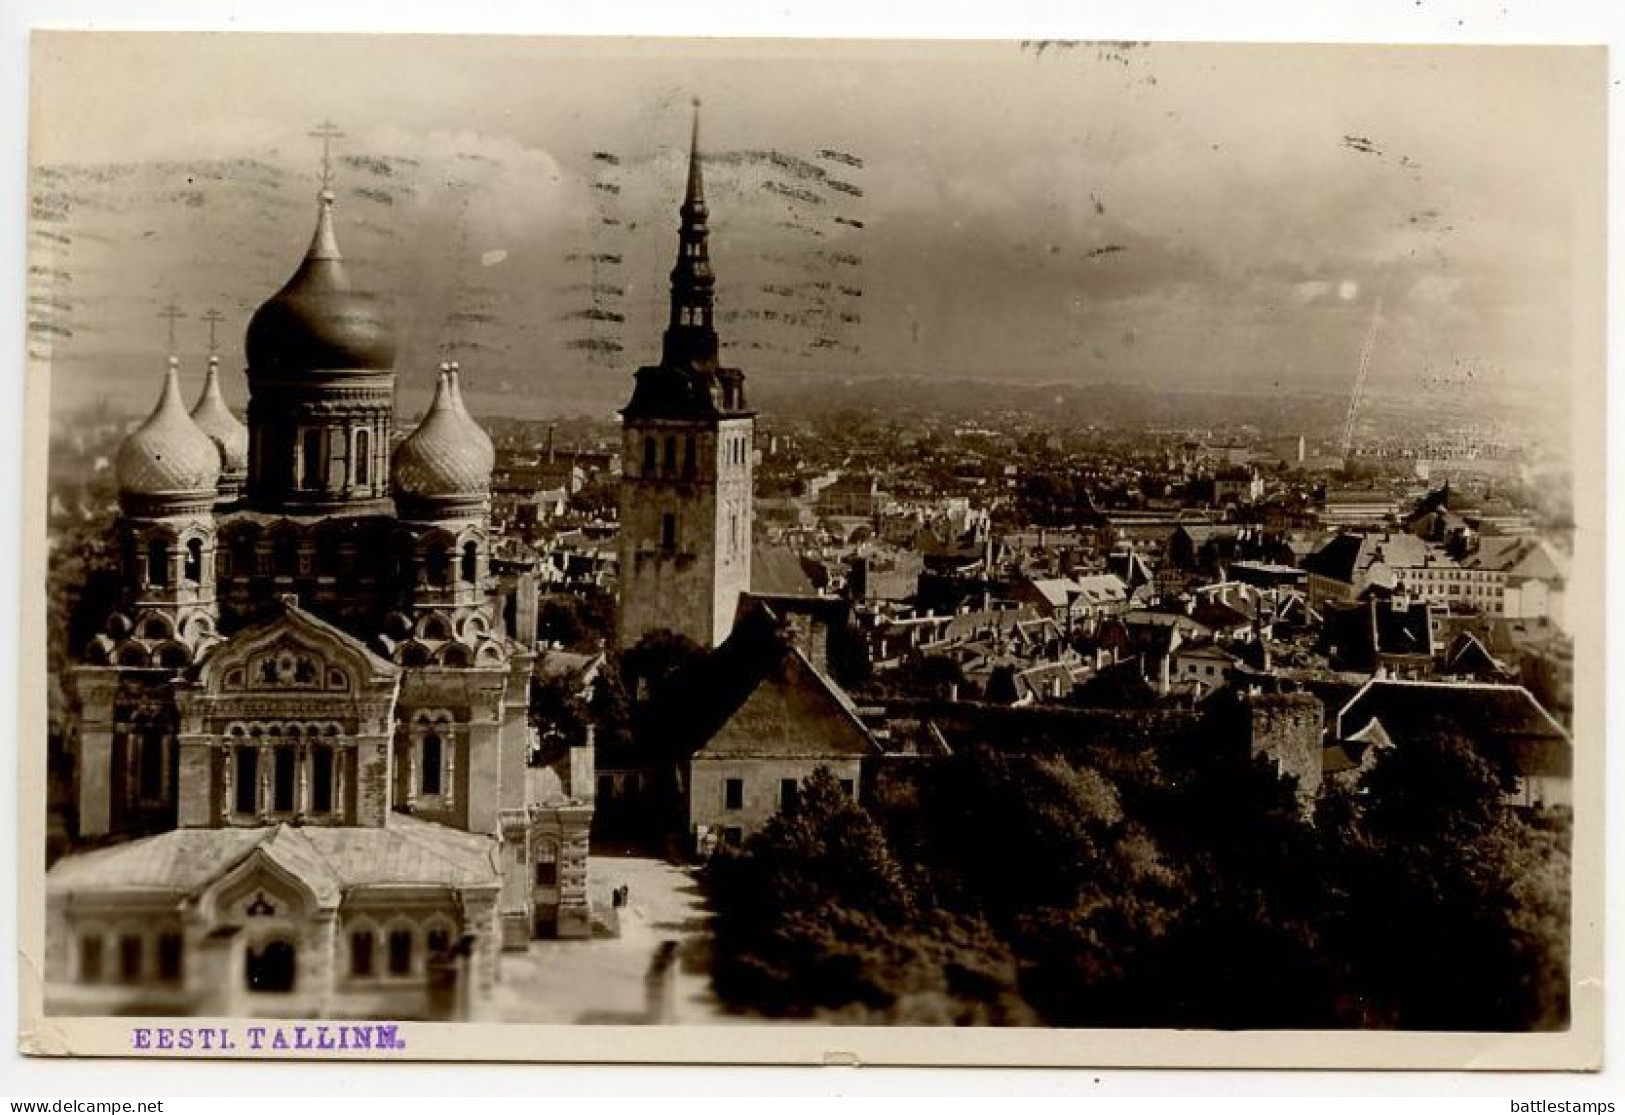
x=879, y=210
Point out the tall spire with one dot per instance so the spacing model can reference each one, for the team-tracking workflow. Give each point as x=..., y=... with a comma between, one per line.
x=691, y=341
x=694, y=198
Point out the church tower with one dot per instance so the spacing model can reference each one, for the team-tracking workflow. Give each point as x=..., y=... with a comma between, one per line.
x=687, y=451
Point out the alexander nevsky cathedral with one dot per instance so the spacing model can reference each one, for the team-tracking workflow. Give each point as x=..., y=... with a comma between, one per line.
x=306, y=778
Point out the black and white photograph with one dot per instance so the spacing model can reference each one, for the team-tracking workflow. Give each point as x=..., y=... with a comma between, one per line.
x=696, y=542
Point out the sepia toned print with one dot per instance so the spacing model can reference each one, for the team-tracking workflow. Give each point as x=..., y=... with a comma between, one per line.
x=738, y=539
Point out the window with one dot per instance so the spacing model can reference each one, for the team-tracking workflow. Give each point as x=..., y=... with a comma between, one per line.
x=150, y=785
x=690, y=456
x=733, y=531
x=158, y=561
x=361, y=953
x=471, y=562
x=400, y=952
x=321, y=780
x=286, y=556
x=734, y=793
x=282, y=780
x=648, y=455
x=311, y=465
x=436, y=563
x=194, y=561
x=668, y=531
x=429, y=774
x=547, y=864
x=90, y=959
x=363, y=458
x=671, y=454
x=169, y=957
x=438, y=943
x=248, y=777
x=787, y=795
x=129, y=958
x=849, y=788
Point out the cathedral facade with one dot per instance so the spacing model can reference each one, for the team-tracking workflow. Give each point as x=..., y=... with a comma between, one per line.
x=307, y=781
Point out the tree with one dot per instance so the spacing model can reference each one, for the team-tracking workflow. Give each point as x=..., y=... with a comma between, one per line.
x=1457, y=903
x=658, y=661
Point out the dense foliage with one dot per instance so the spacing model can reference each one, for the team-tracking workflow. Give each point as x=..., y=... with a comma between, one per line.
x=1170, y=890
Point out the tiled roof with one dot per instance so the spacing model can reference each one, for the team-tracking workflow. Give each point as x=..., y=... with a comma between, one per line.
x=776, y=571
x=1485, y=713
x=329, y=860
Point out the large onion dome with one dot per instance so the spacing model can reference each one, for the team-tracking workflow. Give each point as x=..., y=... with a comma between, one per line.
x=169, y=457
x=318, y=322
x=448, y=459
x=214, y=418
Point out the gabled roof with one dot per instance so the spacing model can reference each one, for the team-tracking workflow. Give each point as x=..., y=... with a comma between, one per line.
x=1348, y=555
x=777, y=571
x=1518, y=556
x=328, y=860
x=300, y=627
x=1489, y=714
x=1469, y=656
x=759, y=696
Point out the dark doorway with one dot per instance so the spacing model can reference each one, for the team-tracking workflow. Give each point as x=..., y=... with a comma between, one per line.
x=270, y=968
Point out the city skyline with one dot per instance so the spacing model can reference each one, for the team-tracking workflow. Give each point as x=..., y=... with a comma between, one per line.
x=1188, y=226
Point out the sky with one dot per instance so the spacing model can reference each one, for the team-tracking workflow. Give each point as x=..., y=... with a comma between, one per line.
x=1180, y=215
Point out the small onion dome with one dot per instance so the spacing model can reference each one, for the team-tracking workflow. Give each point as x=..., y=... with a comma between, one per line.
x=215, y=419
x=169, y=455
x=449, y=457
x=317, y=322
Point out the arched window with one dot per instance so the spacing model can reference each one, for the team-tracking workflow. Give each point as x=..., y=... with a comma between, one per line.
x=243, y=546
x=436, y=563
x=648, y=454
x=547, y=864
x=361, y=953
x=321, y=779
x=429, y=767
x=363, y=458
x=194, y=560
x=158, y=561
x=286, y=555
x=471, y=562
x=247, y=779
x=438, y=942
x=668, y=531
x=150, y=784
x=310, y=475
x=282, y=778
x=400, y=952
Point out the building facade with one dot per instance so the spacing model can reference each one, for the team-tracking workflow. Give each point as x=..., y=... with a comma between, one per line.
x=304, y=749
